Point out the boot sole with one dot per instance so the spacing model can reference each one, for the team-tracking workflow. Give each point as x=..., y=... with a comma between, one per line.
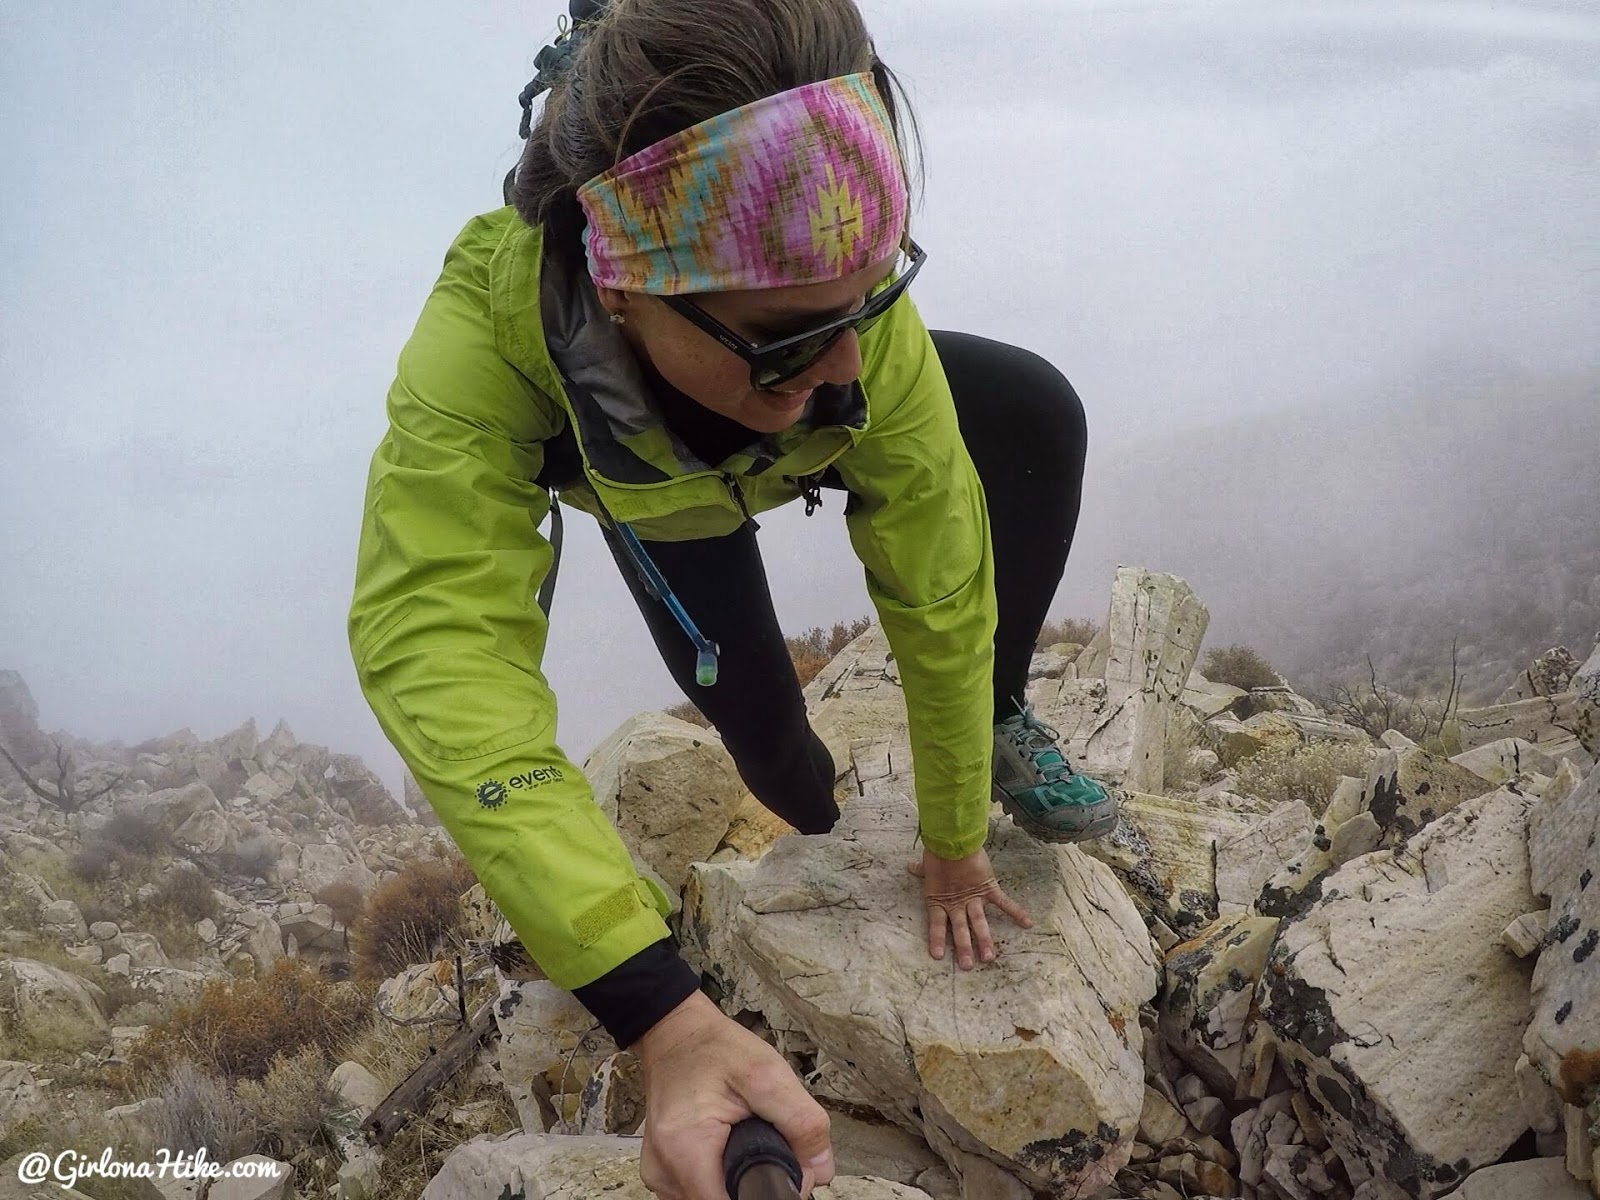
x=1031, y=825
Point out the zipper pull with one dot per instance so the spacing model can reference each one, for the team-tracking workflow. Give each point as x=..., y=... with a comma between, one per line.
x=738, y=498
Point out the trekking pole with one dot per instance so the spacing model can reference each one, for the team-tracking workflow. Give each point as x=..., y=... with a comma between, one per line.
x=758, y=1164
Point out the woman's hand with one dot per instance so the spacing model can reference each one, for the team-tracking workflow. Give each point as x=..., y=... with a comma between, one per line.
x=955, y=892
x=703, y=1074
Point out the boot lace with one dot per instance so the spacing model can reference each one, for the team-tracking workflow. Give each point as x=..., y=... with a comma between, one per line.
x=1040, y=742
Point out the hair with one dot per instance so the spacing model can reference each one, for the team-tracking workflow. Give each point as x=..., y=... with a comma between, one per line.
x=648, y=69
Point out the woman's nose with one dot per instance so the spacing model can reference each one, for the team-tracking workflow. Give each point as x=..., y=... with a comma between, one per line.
x=841, y=363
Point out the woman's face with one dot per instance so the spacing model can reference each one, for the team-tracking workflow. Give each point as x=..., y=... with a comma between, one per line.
x=688, y=358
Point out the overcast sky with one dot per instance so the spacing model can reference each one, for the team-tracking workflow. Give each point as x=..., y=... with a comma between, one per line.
x=218, y=224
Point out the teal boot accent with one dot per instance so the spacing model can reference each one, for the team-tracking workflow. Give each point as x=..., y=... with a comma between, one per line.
x=1040, y=791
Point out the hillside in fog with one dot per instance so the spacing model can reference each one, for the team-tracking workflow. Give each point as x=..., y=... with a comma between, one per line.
x=1387, y=527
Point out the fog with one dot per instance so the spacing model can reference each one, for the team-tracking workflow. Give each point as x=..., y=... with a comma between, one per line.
x=218, y=224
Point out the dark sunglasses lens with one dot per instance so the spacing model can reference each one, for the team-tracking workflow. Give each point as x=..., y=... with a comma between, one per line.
x=791, y=360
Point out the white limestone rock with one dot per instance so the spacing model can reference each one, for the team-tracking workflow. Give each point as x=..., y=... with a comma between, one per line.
x=1526, y=934
x=1503, y=761
x=205, y=833
x=1534, y=1179
x=168, y=810
x=1548, y=675
x=62, y=919
x=264, y=939
x=51, y=1003
x=1563, y=1040
x=1155, y=626
x=1032, y=1061
x=670, y=789
x=545, y=1031
x=1408, y=788
x=1249, y=859
x=1557, y=724
x=325, y=863
x=1209, y=699
x=1164, y=851
x=20, y=1091
x=857, y=697
x=1540, y=1102
x=1408, y=1069
x=710, y=943
x=1359, y=835
x=554, y=1167
x=613, y=1099
x=312, y=927
x=1210, y=993
x=419, y=993
x=263, y=1179
x=357, y=1088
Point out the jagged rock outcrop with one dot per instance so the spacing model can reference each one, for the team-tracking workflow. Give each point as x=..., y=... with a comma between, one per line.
x=1114, y=715
x=1406, y=1067
x=1563, y=1038
x=1209, y=1002
x=1164, y=851
x=831, y=926
x=670, y=789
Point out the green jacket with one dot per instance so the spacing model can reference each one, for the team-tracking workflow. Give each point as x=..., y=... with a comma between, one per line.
x=507, y=357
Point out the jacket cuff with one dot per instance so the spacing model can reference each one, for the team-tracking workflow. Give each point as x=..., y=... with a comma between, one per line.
x=639, y=991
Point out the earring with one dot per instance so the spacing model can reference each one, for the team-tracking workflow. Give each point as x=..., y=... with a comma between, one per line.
x=617, y=318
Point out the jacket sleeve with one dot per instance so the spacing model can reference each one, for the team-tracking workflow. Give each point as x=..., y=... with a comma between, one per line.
x=448, y=637
x=921, y=529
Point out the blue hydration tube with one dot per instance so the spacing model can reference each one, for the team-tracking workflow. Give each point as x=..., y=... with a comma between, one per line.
x=705, y=663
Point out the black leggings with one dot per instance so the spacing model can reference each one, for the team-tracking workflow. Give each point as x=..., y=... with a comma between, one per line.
x=1024, y=428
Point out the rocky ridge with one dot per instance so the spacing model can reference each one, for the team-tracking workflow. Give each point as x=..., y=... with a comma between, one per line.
x=1386, y=990
x=1389, y=993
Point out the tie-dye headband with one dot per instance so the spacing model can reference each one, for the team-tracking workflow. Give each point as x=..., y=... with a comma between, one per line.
x=802, y=187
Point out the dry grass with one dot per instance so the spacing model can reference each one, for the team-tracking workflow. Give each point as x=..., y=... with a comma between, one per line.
x=82, y=1128
x=183, y=896
x=1279, y=775
x=419, y=1150
x=391, y=1052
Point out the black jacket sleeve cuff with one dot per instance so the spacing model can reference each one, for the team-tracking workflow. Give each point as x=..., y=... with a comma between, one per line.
x=638, y=992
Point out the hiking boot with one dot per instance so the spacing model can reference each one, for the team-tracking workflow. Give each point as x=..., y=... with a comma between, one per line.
x=1040, y=791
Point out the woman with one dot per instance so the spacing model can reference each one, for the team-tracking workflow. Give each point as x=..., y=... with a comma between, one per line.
x=694, y=309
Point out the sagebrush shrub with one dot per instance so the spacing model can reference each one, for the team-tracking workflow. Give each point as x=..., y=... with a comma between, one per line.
x=1279, y=774
x=410, y=914
x=187, y=893
x=1239, y=666
x=128, y=833
x=236, y=1026
x=292, y=1101
x=199, y=1110
x=345, y=900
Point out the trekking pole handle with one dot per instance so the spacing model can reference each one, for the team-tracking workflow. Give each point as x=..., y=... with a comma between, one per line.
x=754, y=1144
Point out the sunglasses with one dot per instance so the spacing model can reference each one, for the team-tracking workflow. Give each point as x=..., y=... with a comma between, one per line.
x=774, y=362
